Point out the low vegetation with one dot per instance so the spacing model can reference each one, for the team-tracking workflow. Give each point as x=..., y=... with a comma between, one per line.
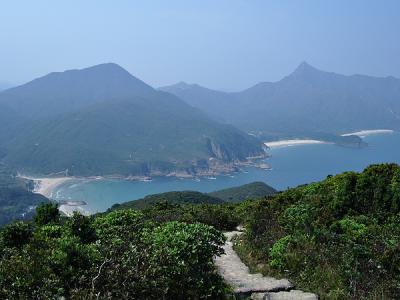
x=338, y=238
x=120, y=255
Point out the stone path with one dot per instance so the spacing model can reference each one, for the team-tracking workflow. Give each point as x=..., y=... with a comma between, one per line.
x=238, y=276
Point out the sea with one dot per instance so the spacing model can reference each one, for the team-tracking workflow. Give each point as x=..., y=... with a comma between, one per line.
x=290, y=166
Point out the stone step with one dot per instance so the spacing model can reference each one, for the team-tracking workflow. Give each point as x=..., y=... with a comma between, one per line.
x=238, y=276
x=290, y=295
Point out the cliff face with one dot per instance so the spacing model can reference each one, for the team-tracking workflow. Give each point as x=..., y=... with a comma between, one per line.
x=228, y=154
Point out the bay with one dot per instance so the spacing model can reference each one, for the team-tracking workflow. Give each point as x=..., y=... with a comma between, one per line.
x=291, y=166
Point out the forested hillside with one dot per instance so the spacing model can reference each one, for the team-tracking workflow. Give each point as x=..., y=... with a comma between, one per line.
x=104, y=121
x=17, y=202
x=237, y=194
x=183, y=197
x=254, y=190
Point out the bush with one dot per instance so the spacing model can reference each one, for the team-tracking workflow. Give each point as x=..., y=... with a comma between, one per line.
x=120, y=255
x=47, y=213
x=338, y=238
x=16, y=234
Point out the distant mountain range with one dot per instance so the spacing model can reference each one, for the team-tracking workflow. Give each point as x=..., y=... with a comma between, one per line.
x=307, y=101
x=104, y=121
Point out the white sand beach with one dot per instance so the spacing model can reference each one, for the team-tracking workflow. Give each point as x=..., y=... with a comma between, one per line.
x=295, y=142
x=364, y=133
x=46, y=186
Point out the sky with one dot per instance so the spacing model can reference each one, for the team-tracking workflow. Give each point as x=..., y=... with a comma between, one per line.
x=222, y=44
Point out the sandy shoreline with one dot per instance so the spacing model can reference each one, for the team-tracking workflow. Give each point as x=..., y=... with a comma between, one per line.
x=294, y=142
x=46, y=186
x=298, y=142
x=364, y=133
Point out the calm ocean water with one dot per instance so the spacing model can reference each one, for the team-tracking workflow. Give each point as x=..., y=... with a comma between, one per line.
x=291, y=166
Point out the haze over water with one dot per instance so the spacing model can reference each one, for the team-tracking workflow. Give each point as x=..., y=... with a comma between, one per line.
x=291, y=166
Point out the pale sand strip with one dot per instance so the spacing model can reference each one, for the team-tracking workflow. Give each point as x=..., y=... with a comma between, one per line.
x=364, y=133
x=46, y=186
x=285, y=143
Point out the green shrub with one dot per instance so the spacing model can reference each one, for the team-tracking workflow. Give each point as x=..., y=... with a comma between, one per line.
x=338, y=237
x=120, y=255
x=278, y=252
x=47, y=213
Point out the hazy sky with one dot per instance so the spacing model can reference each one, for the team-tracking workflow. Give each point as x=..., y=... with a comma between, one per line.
x=220, y=44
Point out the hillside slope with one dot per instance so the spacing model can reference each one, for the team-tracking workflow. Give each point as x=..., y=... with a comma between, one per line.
x=338, y=238
x=181, y=198
x=17, y=202
x=104, y=121
x=254, y=190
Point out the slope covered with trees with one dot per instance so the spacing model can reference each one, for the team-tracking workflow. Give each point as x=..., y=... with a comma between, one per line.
x=104, y=121
x=237, y=194
x=253, y=190
x=179, y=197
x=17, y=202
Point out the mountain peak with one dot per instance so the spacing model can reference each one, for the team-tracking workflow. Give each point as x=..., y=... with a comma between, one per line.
x=305, y=71
x=106, y=67
x=304, y=67
x=180, y=86
x=69, y=90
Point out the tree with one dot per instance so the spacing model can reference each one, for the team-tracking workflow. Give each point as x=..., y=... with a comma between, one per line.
x=47, y=213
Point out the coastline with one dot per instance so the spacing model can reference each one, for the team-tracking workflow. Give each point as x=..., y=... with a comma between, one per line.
x=293, y=142
x=299, y=142
x=46, y=186
x=364, y=133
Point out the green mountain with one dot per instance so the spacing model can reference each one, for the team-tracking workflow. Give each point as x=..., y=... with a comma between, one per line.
x=9, y=123
x=307, y=101
x=254, y=190
x=104, y=121
x=183, y=197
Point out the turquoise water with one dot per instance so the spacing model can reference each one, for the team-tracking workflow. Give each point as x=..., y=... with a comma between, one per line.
x=291, y=166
